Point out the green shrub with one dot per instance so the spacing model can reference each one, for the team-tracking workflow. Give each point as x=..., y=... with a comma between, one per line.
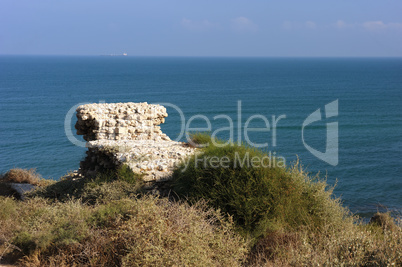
x=7, y=208
x=256, y=190
x=108, y=214
x=41, y=227
x=95, y=192
x=124, y=173
x=106, y=186
x=200, y=140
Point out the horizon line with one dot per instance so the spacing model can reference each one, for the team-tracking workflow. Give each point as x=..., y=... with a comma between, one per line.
x=191, y=56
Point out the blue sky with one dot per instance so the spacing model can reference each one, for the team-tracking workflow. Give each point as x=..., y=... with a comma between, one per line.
x=357, y=28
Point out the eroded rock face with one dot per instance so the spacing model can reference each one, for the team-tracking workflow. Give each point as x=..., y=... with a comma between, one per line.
x=121, y=121
x=128, y=133
x=154, y=159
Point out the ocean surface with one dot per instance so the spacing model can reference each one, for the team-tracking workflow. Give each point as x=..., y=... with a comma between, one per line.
x=37, y=93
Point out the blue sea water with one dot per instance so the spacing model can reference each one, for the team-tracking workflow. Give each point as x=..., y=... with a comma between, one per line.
x=36, y=93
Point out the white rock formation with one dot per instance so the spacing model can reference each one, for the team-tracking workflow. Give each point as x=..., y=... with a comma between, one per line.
x=128, y=133
x=121, y=121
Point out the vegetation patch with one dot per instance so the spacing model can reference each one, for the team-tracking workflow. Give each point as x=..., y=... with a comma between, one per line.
x=290, y=217
x=23, y=176
x=232, y=215
x=106, y=186
x=260, y=197
x=146, y=231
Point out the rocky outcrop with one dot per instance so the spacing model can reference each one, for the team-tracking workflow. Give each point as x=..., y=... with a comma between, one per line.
x=121, y=121
x=128, y=133
x=21, y=189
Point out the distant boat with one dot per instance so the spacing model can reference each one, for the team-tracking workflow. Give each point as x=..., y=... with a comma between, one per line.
x=116, y=55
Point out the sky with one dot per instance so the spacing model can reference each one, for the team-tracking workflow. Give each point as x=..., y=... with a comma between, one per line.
x=222, y=28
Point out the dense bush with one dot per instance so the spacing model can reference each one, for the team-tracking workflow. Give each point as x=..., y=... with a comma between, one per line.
x=260, y=195
x=292, y=218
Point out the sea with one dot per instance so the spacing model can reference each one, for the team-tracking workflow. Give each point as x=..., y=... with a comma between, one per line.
x=341, y=118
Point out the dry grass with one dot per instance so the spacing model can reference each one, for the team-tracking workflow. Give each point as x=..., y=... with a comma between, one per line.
x=24, y=176
x=128, y=232
x=355, y=245
x=105, y=221
x=384, y=220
